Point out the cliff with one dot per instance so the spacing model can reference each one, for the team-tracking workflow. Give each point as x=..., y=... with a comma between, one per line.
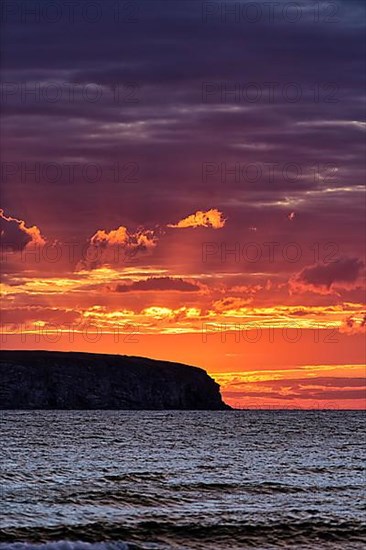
x=65, y=380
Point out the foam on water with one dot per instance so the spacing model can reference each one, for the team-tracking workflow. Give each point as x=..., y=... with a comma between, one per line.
x=66, y=545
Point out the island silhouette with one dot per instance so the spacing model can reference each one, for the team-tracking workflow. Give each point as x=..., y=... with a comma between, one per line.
x=40, y=379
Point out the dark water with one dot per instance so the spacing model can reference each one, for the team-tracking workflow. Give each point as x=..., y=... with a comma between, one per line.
x=187, y=480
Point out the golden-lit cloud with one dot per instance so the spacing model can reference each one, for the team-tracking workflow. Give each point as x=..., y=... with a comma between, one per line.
x=355, y=324
x=142, y=239
x=115, y=247
x=166, y=305
x=211, y=218
x=115, y=236
x=16, y=235
x=231, y=305
x=308, y=386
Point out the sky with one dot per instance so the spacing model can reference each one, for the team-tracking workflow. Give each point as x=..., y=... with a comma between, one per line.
x=185, y=180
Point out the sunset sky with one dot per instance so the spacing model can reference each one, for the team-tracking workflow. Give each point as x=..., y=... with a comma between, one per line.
x=185, y=181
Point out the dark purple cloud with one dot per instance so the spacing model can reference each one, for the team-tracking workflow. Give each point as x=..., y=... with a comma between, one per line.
x=344, y=270
x=159, y=284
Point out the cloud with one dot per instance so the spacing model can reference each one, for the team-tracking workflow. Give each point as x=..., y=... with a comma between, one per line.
x=314, y=388
x=16, y=235
x=142, y=240
x=354, y=325
x=342, y=273
x=159, y=284
x=116, y=236
x=158, y=313
x=35, y=316
x=318, y=395
x=117, y=245
x=231, y=304
x=211, y=218
x=231, y=153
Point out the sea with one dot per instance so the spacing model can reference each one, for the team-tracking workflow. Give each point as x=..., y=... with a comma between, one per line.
x=121, y=480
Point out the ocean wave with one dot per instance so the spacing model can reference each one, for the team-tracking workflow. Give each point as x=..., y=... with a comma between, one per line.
x=260, y=488
x=165, y=532
x=111, y=498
